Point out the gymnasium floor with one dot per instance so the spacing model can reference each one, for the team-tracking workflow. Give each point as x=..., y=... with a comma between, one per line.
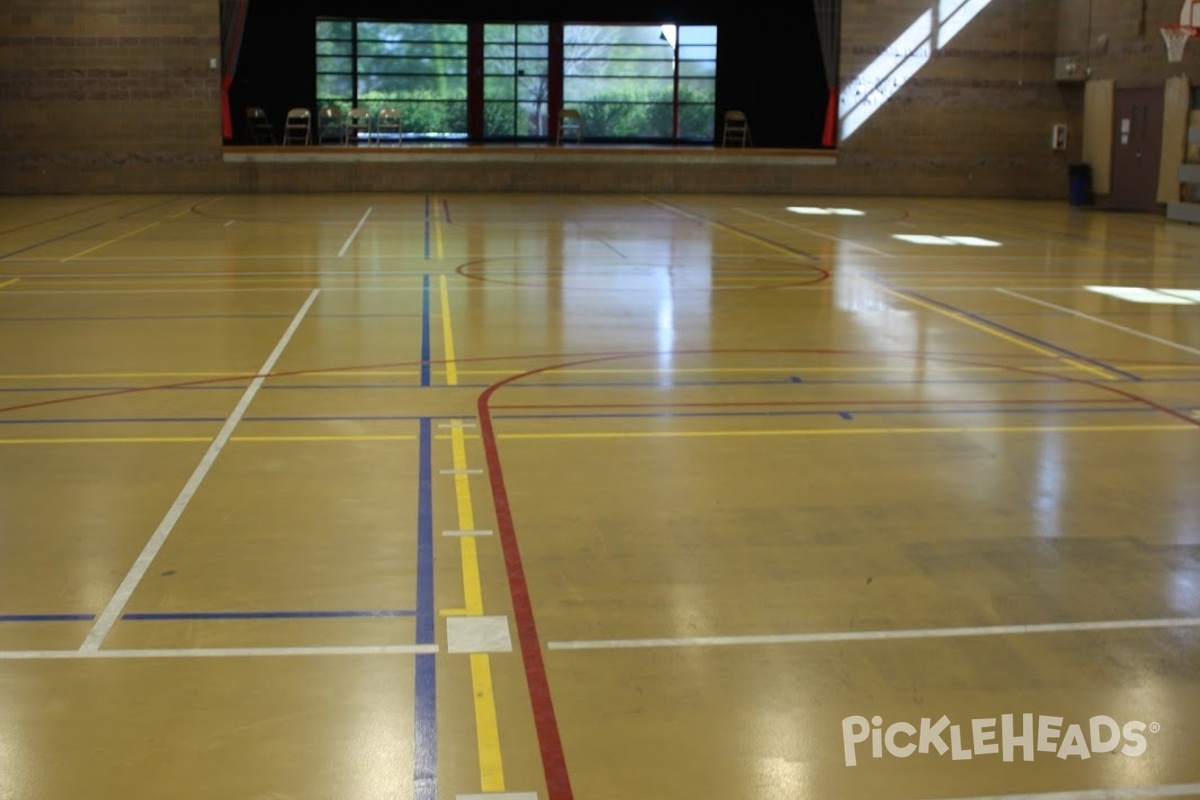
x=597, y=497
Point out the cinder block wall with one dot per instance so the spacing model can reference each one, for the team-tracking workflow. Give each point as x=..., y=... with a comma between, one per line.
x=104, y=96
x=107, y=96
x=975, y=116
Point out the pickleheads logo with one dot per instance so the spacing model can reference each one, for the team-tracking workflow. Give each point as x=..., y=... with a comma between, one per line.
x=1027, y=735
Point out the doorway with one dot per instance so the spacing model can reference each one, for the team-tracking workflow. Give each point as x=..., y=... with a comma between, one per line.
x=1137, y=146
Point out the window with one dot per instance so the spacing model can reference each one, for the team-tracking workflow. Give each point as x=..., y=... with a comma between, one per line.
x=629, y=82
x=420, y=68
x=516, y=82
x=650, y=82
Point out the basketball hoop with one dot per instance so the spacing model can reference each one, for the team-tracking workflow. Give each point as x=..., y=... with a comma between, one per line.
x=1176, y=38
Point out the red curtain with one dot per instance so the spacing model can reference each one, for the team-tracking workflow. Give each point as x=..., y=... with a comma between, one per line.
x=233, y=23
x=829, y=24
x=829, y=135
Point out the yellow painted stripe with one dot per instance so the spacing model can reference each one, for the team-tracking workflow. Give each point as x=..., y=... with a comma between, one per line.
x=787, y=370
x=110, y=241
x=487, y=731
x=468, y=541
x=202, y=375
x=491, y=766
x=57, y=376
x=966, y=320
x=179, y=439
x=382, y=437
x=462, y=483
x=848, y=432
x=447, y=334
x=112, y=440
x=8, y=283
x=472, y=587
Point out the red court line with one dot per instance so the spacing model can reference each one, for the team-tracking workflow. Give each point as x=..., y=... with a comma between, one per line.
x=558, y=782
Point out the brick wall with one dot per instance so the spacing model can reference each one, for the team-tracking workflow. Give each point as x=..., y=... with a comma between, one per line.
x=102, y=96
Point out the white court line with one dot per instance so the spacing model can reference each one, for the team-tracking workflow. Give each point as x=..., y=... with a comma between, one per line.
x=1104, y=322
x=218, y=652
x=1166, y=790
x=116, y=605
x=354, y=232
x=870, y=636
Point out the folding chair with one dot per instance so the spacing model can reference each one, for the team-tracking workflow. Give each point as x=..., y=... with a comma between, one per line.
x=258, y=126
x=570, y=125
x=388, y=125
x=737, y=129
x=358, y=126
x=297, y=129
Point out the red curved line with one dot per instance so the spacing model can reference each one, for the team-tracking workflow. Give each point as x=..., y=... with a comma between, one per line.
x=821, y=274
x=554, y=765
x=965, y=359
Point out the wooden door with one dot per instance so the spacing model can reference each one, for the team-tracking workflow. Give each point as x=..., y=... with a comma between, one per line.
x=1137, y=143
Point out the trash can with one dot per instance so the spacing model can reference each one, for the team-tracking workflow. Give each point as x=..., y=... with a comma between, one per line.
x=1079, y=177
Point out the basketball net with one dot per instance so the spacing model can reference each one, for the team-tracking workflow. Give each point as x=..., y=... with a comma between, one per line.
x=1176, y=38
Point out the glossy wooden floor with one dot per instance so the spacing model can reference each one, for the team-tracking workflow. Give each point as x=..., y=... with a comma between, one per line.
x=366, y=496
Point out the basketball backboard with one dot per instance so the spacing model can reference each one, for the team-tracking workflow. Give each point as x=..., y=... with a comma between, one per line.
x=1189, y=13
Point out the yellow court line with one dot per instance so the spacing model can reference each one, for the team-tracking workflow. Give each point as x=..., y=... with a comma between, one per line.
x=468, y=542
x=472, y=586
x=204, y=375
x=791, y=369
x=206, y=439
x=113, y=440
x=491, y=765
x=958, y=316
x=487, y=731
x=207, y=202
x=366, y=437
x=447, y=334
x=8, y=283
x=849, y=432
x=110, y=241
x=217, y=280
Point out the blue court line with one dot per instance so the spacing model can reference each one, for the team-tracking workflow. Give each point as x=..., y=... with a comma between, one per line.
x=425, y=611
x=47, y=617
x=425, y=781
x=197, y=615
x=51, y=239
x=1011, y=331
x=425, y=708
x=69, y=234
x=834, y=411
x=425, y=331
